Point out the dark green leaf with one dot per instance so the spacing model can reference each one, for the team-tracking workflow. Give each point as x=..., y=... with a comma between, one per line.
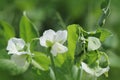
x=4, y=54
x=105, y=4
x=6, y=32
x=90, y=58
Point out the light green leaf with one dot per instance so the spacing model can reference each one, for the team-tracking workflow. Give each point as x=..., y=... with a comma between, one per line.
x=27, y=29
x=10, y=67
x=72, y=39
x=6, y=32
x=59, y=60
x=104, y=33
x=41, y=61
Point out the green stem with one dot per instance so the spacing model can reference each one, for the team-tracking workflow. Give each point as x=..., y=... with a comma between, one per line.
x=52, y=61
x=81, y=74
x=61, y=20
x=94, y=78
x=53, y=64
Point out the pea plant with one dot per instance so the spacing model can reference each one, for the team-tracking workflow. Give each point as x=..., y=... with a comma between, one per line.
x=70, y=54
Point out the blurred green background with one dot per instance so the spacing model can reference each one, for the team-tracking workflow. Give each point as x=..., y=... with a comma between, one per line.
x=57, y=14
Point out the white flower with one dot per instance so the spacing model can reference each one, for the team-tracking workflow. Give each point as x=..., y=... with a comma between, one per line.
x=16, y=48
x=55, y=40
x=93, y=43
x=96, y=71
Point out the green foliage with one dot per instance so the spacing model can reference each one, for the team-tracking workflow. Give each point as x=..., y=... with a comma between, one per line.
x=42, y=61
x=104, y=34
x=6, y=32
x=27, y=29
x=59, y=60
x=72, y=39
x=91, y=58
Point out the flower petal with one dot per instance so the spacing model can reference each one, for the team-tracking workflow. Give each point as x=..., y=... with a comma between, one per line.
x=21, y=53
x=14, y=45
x=93, y=43
x=87, y=69
x=48, y=35
x=95, y=72
x=58, y=48
x=20, y=60
x=61, y=36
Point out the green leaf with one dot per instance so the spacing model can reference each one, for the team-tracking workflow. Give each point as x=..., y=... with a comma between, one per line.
x=41, y=61
x=27, y=29
x=11, y=68
x=4, y=54
x=59, y=60
x=72, y=39
x=6, y=32
x=90, y=58
x=104, y=33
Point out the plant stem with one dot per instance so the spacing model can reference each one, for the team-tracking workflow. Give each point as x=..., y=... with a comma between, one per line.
x=94, y=78
x=61, y=20
x=53, y=64
x=81, y=74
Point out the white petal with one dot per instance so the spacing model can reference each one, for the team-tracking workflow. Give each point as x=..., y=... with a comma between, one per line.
x=14, y=45
x=20, y=60
x=87, y=69
x=95, y=72
x=101, y=71
x=61, y=36
x=48, y=35
x=58, y=48
x=11, y=47
x=93, y=43
x=22, y=52
x=19, y=43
